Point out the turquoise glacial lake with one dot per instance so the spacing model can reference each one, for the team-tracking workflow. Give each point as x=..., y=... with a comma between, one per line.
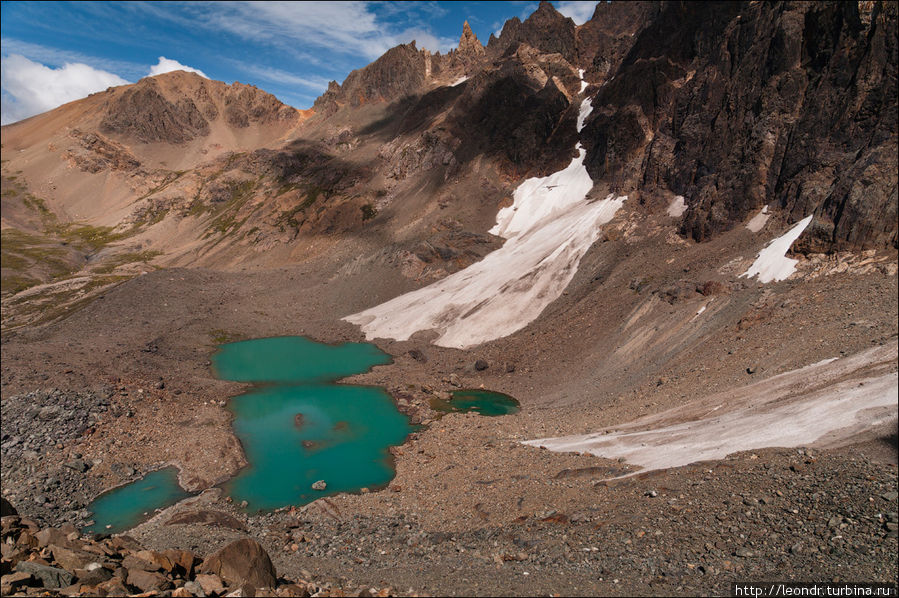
x=126, y=506
x=297, y=426
x=483, y=402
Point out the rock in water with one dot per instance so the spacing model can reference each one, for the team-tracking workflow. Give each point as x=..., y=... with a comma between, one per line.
x=319, y=485
x=242, y=563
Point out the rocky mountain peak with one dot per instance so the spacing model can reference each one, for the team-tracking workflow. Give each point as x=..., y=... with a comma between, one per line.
x=469, y=42
x=546, y=29
x=398, y=72
x=179, y=106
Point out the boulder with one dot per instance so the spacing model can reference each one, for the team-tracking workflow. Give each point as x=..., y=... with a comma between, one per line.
x=50, y=577
x=113, y=587
x=148, y=581
x=52, y=535
x=124, y=544
x=209, y=583
x=12, y=582
x=71, y=559
x=93, y=576
x=195, y=589
x=182, y=561
x=242, y=563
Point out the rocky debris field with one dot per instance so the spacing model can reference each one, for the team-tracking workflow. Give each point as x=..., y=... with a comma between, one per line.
x=785, y=514
x=38, y=429
x=61, y=562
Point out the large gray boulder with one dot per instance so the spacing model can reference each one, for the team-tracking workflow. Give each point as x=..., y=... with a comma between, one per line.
x=242, y=563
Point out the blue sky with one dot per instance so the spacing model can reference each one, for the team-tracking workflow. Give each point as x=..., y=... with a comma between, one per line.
x=55, y=52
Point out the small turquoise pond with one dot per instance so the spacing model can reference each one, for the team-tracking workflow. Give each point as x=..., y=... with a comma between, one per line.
x=126, y=506
x=296, y=427
x=484, y=402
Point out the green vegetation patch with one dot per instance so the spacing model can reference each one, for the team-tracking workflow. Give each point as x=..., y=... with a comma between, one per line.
x=312, y=195
x=21, y=250
x=220, y=336
x=87, y=236
x=226, y=220
x=121, y=259
x=12, y=284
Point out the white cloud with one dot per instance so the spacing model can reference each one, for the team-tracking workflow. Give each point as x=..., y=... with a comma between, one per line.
x=55, y=57
x=579, y=12
x=30, y=88
x=345, y=28
x=424, y=39
x=319, y=84
x=167, y=65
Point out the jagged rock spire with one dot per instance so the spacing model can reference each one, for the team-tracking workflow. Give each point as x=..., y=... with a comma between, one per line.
x=469, y=43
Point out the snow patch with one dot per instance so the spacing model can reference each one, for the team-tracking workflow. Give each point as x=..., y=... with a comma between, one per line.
x=758, y=221
x=539, y=198
x=584, y=84
x=502, y=293
x=583, y=113
x=816, y=403
x=772, y=264
x=549, y=228
x=700, y=310
x=459, y=81
x=677, y=207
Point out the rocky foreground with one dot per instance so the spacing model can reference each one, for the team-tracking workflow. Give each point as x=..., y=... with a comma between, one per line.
x=62, y=562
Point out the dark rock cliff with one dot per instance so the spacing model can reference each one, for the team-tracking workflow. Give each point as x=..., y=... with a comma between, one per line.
x=738, y=105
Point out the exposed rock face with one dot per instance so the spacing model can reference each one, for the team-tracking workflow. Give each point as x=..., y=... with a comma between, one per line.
x=546, y=29
x=604, y=40
x=515, y=112
x=468, y=57
x=246, y=105
x=182, y=106
x=399, y=72
x=739, y=105
x=99, y=153
x=469, y=45
x=144, y=113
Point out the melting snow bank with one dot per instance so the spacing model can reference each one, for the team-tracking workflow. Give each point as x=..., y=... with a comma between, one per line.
x=772, y=263
x=677, y=207
x=582, y=114
x=549, y=227
x=503, y=292
x=825, y=404
x=757, y=222
x=539, y=198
